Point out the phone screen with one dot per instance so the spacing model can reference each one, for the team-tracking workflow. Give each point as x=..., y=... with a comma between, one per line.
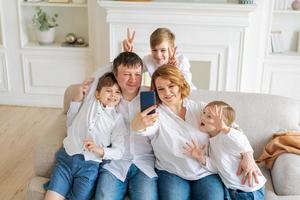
x=147, y=99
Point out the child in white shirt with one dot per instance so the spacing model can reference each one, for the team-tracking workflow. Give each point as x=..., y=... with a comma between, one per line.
x=163, y=51
x=224, y=153
x=94, y=134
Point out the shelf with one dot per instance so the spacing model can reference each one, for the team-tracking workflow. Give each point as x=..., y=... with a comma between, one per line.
x=46, y=4
x=37, y=46
x=288, y=12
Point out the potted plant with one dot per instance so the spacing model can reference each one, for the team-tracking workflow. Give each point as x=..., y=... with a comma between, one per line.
x=45, y=26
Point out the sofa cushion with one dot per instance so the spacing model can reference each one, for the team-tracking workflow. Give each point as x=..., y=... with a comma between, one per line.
x=49, y=143
x=35, y=188
x=286, y=174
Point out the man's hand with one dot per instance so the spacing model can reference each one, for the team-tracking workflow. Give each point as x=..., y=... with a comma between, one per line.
x=128, y=42
x=248, y=169
x=142, y=120
x=82, y=89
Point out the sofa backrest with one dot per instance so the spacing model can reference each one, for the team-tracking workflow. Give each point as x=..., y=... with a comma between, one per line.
x=258, y=115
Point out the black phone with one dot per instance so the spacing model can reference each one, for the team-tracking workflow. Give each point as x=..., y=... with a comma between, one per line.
x=147, y=99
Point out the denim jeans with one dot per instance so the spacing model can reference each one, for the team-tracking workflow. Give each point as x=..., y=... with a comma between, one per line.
x=73, y=177
x=173, y=187
x=240, y=195
x=139, y=186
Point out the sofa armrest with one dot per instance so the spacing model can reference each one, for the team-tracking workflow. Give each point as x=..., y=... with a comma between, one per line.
x=47, y=146
x=286, y=174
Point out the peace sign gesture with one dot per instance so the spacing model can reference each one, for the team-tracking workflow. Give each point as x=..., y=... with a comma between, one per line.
x=128, y=42
x=172, y=56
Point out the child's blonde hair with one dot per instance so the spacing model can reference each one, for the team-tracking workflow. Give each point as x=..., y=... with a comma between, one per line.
x=228, y=111
x=160, y=35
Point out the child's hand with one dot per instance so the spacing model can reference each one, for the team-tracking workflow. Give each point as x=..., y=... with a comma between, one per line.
x=82, y=89
x=128, y=43
x=92, y=147
x=194, y=150
x=218, y=121
x=172, y=56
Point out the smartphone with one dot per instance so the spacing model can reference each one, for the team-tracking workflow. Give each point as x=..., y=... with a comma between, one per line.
x=147, y=99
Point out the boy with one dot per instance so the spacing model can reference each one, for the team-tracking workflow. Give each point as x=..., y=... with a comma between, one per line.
x=225, y=147
x=163, y=51
x=89, y=141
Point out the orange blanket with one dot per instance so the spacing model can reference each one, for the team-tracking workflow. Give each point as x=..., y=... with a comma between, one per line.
x=288, y=142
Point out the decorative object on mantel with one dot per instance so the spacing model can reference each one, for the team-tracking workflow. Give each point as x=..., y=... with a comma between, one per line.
x=296, y=5
x=72, y=41
x=45, y=26
x=246, y=1
x=58, y=1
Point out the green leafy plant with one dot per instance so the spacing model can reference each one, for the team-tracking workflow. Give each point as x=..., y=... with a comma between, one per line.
x=43, y=21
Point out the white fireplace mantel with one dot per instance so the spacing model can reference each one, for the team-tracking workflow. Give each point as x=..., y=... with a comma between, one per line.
x=181, y=12
x=211, y=32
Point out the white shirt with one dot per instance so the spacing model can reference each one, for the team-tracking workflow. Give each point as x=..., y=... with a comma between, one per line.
x=171, y=135
x=183, y=64
x=138, y=149
x=225, y=156
x=96, y=123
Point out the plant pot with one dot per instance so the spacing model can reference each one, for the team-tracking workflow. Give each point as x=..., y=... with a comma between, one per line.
x=45, y=37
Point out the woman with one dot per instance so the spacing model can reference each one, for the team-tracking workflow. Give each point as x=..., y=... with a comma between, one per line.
x=180, y=176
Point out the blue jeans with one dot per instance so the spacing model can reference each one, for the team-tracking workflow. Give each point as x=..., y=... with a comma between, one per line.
x=173, y=187
x=240, y=195
x=139, y=186
x=73, y=177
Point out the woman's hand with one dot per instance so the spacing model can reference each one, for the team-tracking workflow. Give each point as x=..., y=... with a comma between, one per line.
x=172, y=56
x=128, y=42
x=194, y=150
x=82, y=90
x=92, y=147
x=248, y=169
x=142, y=120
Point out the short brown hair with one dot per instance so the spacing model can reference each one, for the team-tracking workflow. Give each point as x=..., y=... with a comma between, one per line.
x=128, y=59
x=228, y=111
x=106, y=80
x=160, y=35
x=174, y=75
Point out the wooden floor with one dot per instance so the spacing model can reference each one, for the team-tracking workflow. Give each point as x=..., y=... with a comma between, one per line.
x=19, y=129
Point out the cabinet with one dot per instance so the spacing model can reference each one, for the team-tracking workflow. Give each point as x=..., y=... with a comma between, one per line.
x=281, y=71
x=37, y=75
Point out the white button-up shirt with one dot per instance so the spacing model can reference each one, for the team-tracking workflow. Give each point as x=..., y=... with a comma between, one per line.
x=170, y=136
x=138, y=149
x=183, y=64
x=225, y=156
x=98, y=124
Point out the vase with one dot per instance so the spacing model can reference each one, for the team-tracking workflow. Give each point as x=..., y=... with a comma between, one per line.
x=45, y=37
x=246, y=1
x=296, y=5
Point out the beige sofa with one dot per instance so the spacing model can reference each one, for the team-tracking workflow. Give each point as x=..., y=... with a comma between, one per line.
x=258, y=115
